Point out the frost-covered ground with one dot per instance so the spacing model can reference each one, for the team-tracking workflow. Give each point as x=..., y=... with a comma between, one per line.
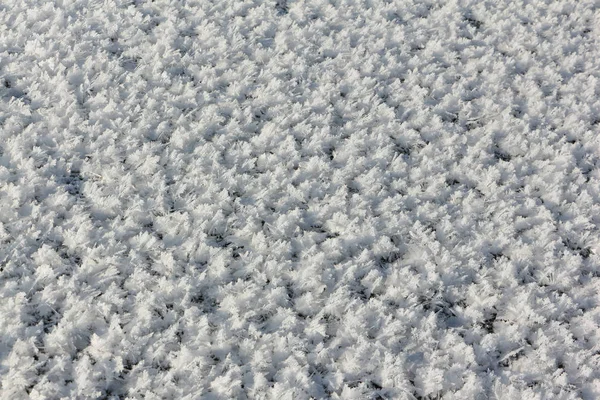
x=299, y=199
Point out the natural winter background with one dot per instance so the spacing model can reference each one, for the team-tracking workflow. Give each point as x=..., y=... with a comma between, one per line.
x=299, y=199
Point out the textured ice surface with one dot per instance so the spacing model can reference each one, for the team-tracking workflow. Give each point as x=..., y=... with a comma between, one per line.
x=299, y=199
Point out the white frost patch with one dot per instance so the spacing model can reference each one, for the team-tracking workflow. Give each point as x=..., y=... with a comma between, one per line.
x=290, y=199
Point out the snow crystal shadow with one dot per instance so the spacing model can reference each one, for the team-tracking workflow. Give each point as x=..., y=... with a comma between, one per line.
x=9, y=91
x=282, y=7
x=73, y=183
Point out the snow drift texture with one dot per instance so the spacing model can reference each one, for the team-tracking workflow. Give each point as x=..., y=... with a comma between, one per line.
x=290, y=200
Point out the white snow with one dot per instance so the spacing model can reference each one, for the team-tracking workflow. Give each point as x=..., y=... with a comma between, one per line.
x=288, y=199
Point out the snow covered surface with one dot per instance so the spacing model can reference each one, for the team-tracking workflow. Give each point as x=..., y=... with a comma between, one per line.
x=299, y=199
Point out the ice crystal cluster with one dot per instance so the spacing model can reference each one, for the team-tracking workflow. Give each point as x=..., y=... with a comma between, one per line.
x=289, y=199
